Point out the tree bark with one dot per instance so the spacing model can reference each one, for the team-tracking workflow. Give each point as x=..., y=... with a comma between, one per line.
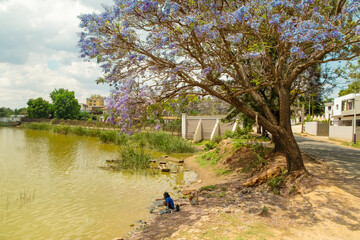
x=288, y=144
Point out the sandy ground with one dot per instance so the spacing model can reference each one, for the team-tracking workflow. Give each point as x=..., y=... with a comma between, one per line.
x=328, y=210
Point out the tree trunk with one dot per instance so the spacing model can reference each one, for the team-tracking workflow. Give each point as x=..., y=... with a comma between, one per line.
x=288, y=144
x=278, y=147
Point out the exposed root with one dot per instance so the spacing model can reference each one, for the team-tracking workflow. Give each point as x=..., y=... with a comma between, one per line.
x=273, y=169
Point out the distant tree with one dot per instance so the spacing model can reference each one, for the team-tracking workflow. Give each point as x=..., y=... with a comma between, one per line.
x=4, y=112
x=353, y=87
x=38, y=108
x=19, y=111
x=65, y=105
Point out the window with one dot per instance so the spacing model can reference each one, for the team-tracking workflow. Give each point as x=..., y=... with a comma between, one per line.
x=337, y=106
x=343, y=106
x=350, y=106
x=329, y=108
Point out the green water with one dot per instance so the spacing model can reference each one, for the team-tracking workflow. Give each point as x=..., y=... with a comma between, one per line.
x=51, y=187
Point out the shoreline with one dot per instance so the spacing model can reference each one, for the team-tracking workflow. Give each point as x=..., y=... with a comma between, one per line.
x=232, y=211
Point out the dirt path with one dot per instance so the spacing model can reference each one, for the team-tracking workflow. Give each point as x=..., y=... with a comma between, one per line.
x=231, y=211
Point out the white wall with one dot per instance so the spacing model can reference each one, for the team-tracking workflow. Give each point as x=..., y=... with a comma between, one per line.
x=342, y=133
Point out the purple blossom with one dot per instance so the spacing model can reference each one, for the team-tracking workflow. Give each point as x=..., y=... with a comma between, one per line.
x=319, y=47
x=206, y=71
x=275, y=19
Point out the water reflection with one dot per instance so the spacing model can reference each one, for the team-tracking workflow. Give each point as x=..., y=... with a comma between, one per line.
x=51, y=187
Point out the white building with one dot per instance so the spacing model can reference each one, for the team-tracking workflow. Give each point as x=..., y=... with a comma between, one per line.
x=343, y=109
x=329, y=111
x=343, y=113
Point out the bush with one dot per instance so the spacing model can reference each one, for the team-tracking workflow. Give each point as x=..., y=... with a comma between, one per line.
x=109, y=137
x=133, y=159
x=62, y=129
x=37, y=126
x=210, y=145
x=276, y=183
x=163, y=142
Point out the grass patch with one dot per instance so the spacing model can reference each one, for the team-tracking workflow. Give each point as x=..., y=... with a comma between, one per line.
x=276, y=183
x=163, y=142
x=221, y=171
x=222, y=194
x=209, y=158
x=133, y=159
x=37, y=126
x=210, y=145
x=351, y=144
x=109, y=137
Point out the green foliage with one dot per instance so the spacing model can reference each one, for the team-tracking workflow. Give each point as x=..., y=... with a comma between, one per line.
x=61, y=129
x=209, y=158
x=163, y=142
x=217, y=139
x=210, y=145
x=221, y=171
x=292, y=190
x=222, y=194
x=66, y=106
x=109, y=137
x=276, y=183
x=353, y=87
x=133, y=159
x=38, y=108
x=208, y=188
x=5, y=112
x=229, y=134
x=37, y=126
x=264, y=210
x=258, y=150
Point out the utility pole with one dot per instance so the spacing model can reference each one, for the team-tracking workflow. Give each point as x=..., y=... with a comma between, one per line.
x=355, y=117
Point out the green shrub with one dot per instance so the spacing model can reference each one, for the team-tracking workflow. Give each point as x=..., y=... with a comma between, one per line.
x=163, y=142
x=37, y=126
x=133, y=159
x=217, y=139
x=276, y=183
x=79, y=131
x=109, y=137
x=210, y=145
x=229, y=134
x=61, y=129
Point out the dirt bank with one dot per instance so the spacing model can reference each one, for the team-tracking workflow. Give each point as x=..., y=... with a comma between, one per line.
x=231, y=211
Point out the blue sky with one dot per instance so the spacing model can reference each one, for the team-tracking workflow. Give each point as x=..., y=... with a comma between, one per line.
x=38, y=51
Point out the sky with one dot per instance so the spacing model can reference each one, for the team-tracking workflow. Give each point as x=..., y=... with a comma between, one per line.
x=38, y=50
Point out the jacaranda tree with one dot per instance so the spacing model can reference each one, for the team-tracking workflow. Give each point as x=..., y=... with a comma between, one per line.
x=156, y=49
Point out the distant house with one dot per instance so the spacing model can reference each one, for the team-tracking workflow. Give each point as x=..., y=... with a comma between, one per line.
x=342, y=112
x=84, y=107
x=95, y=102
x=329, y=111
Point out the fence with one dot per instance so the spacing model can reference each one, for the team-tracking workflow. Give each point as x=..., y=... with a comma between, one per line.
x=344, y=133
x=317, y=128
x=198, y=128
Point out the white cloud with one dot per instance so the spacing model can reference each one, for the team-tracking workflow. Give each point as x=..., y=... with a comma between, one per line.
x=38, y=50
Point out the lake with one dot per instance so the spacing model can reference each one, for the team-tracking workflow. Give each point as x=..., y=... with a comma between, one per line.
x=52, y=187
